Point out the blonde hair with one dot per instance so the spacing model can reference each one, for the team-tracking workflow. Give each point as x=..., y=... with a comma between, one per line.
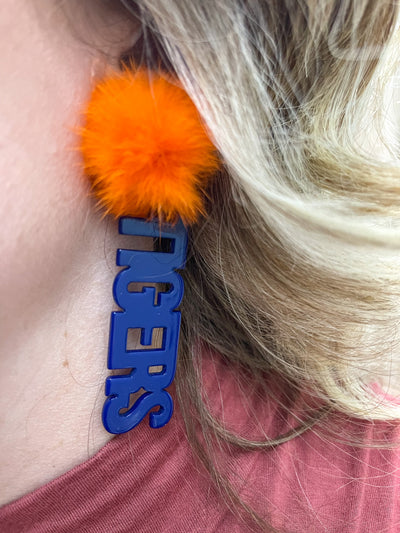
x=296, y=268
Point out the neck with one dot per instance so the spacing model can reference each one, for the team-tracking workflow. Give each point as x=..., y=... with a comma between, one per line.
x=53, y=366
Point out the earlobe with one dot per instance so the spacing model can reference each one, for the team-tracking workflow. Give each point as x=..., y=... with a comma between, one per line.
x=98, y=68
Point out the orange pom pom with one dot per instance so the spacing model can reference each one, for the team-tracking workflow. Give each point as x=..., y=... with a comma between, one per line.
x=146, y=148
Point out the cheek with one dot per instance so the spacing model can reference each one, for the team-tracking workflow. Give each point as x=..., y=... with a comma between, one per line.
x=44, y=195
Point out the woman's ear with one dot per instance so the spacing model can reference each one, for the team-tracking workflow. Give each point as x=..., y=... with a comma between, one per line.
x=106, y=27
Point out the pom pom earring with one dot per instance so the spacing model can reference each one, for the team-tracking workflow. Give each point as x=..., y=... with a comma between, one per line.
x=146, y=148
x=149, y=157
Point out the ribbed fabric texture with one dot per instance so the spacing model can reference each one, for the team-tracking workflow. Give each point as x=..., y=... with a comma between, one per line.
x=146, y=481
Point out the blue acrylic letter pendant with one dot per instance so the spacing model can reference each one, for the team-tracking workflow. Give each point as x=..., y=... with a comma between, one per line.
x=140, y=310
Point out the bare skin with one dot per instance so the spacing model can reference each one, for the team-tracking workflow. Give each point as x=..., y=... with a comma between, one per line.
x=57, y=252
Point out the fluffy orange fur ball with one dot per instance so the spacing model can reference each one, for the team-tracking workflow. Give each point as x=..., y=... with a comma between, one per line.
x=146, y=149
